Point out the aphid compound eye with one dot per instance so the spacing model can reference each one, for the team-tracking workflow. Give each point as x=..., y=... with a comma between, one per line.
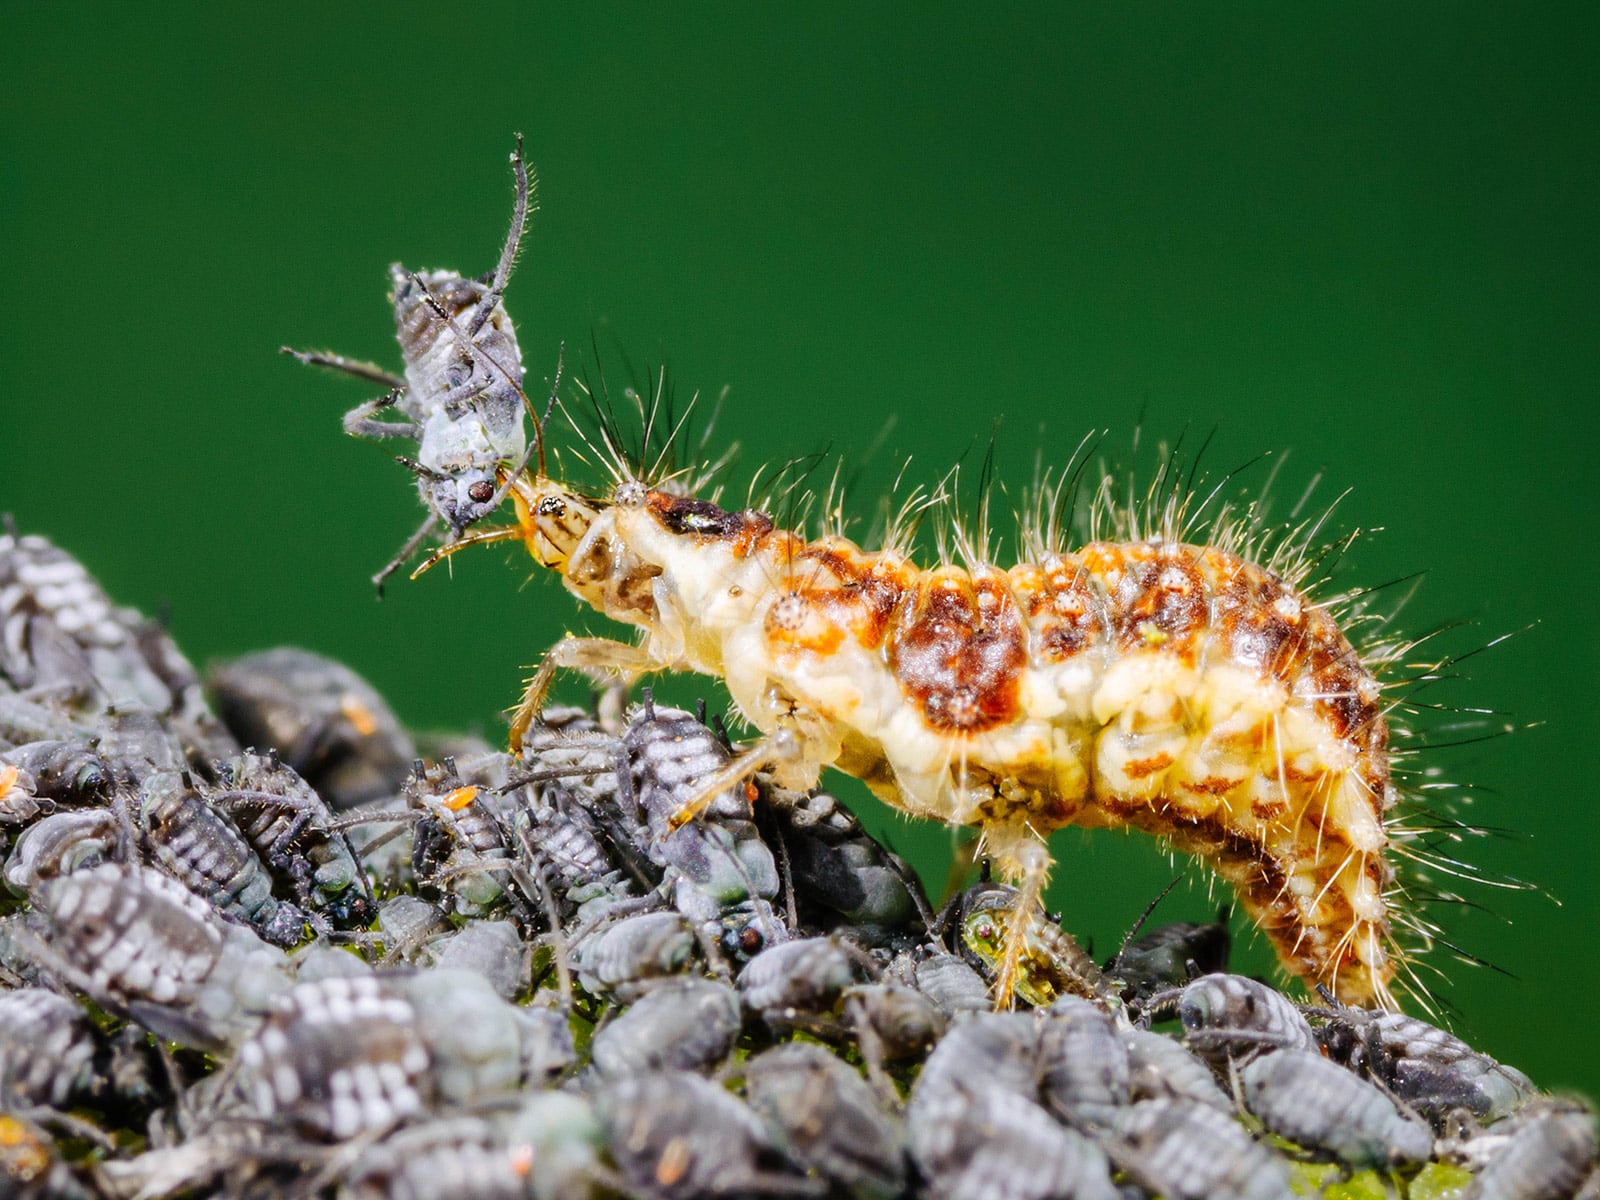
x=481, y=492
x=750, y=940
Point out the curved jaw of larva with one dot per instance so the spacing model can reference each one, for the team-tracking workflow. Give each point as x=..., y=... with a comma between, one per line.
x=551, y=521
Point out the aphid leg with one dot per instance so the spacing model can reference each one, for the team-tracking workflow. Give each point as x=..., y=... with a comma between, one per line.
x=360, y=421
x=781, y=746
x=350, y=366
x=599, y=658
x=405, y=552
x=1020, y=855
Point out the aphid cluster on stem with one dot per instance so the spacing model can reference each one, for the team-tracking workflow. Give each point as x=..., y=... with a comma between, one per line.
x=562, y=995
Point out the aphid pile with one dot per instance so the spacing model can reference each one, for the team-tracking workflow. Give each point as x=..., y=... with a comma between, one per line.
x=288, y=951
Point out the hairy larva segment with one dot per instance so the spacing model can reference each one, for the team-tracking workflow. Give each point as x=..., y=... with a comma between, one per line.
x=1177, y=689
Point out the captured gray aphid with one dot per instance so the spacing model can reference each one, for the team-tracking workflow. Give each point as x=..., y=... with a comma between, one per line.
x=200, y=847
x=325, y=721
x=1194, y=1152
x=1231, y=1017
x=1317, y=1104
x=461, y=400
x=826, y=1118
x=1432, y=1071
x=687, y=1024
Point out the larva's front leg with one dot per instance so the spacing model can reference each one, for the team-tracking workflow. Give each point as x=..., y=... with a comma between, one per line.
x=601, y=659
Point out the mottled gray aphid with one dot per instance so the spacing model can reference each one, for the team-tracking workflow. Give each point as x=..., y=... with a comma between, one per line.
x=47, y=1048
x=724, y=876
x=1317, y=1104
x=201, y=848
x=983, y=1142
x=1546, y=1153
x=324, y=720
x=1194, y=1152
x=674, y=1134
x=292, y=828
x=827, y=1119
x=687, y=1024
x=461, y=400
x=1433, y=1071
x=632, y=955
x=337, y=1058
x=1084, y=1074
x=1231, y=1017
x=62, y=637
x=797, y=981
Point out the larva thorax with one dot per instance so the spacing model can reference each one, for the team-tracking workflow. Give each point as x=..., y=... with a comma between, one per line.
x=1157, y=685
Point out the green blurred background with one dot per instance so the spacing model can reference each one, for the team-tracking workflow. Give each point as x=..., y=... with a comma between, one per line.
x=1363, y=234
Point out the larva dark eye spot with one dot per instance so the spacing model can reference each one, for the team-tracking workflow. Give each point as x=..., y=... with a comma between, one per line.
x=552, y=506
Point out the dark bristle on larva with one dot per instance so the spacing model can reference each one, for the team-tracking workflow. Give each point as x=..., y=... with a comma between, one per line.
x=365, y=963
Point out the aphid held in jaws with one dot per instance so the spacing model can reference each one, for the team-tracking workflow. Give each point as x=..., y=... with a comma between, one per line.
x=1148, y=684
x=461, y=399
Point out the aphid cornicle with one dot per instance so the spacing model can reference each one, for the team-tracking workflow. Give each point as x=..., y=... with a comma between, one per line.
x=1148, y=684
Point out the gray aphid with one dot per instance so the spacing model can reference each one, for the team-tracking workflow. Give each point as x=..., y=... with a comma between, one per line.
x=687, y=1024
x=827, y=1118
x=1317, y=1104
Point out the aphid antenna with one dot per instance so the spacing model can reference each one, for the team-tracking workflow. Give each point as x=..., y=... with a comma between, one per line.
x=1133, y=930
x=526, y=189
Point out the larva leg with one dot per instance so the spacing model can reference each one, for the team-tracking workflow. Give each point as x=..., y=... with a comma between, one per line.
x=599, y=658
x=1022, y=857
x=782, y=745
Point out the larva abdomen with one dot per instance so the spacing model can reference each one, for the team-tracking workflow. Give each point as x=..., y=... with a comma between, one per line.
x=1175, y=689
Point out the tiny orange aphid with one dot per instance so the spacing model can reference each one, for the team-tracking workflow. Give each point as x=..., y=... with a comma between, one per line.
x=1142, y=683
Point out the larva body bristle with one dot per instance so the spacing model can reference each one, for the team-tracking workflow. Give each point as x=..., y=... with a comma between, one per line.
x=1152, y=684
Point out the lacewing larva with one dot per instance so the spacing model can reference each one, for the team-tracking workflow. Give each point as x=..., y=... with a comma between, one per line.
x=1159, y=680
x=1143, y=683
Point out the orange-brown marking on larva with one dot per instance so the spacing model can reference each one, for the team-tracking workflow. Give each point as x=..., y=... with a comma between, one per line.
x=1155, y=685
